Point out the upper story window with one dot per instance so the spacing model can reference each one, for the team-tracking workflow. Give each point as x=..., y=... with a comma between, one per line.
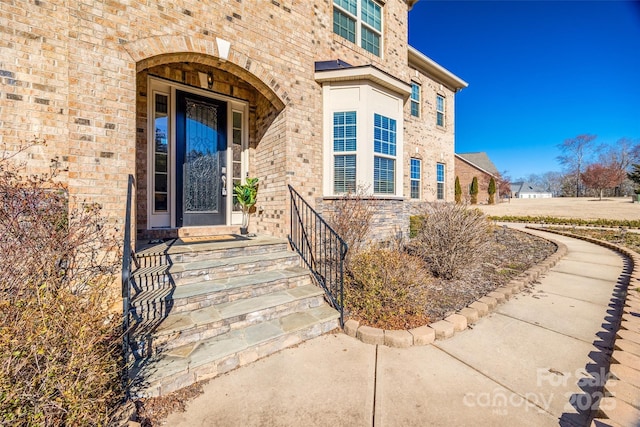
x=416, y=178
x=344, y=149
x=360, y=22
x=440, y=110
x=415, y=99
x=440, y=181
x=384, y=160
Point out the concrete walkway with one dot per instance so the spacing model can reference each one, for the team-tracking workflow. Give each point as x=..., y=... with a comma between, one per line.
x=535, y=361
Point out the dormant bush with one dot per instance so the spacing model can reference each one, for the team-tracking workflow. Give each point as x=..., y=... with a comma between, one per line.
x=452, y=239
x=385, y=288
x=351, y=217
x=60, y=358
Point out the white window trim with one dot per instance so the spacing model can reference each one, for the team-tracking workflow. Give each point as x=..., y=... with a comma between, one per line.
x=416, y=101
x=236, y=216
x=385, y=156
x=444, y=111
x=360, y=23
x=418, y=180
x=443, y=182
x=344, y=153
x=366, y=99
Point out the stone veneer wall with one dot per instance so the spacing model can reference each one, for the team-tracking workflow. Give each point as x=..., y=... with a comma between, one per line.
x=390, y=219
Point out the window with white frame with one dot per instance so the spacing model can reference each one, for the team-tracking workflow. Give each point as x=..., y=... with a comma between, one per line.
x=416, y=178
x=344, y=148
x=360, y=22
x=415, y=99
x=384, y=160
x=161, y=153
x=440, y=110
x=440, y=181
x=237, y=148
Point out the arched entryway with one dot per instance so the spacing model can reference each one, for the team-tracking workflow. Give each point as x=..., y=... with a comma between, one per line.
x=199, y=122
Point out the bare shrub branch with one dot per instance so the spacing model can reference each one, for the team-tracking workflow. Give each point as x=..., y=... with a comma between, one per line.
x=351, y=217
x=452, y=239
x=59, y=343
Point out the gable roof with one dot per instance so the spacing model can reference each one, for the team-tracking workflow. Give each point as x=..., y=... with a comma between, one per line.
x=526, y=187
x=481, y=161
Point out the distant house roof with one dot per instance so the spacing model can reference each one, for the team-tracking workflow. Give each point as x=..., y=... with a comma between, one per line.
x=481, y=161
x=526, y=187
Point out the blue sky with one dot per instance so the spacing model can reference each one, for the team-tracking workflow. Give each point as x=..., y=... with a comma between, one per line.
x=539, y=72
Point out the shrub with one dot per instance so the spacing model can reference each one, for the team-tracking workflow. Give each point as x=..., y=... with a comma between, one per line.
x=415, y=224
x=473, y=191
x=492, y=191
x=601, y=222
x=385, y=288
x=59, y=344
x=351, y=217
x=458, y=191
x=452, y=239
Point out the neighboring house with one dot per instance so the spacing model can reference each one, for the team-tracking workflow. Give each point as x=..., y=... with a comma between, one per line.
x=527, y=190
x=470, y=165
x=192, y=97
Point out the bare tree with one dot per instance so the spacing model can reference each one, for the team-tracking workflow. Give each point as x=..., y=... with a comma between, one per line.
x=575, y=153
x=621, y=155
x=634, y=175
x=534, y=179
x=504, y=184
x=552, y=182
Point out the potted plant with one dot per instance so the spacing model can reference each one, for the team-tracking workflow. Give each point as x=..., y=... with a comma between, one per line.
x=246, y=197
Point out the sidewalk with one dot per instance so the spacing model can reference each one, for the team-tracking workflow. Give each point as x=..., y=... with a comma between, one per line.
x=533, y=362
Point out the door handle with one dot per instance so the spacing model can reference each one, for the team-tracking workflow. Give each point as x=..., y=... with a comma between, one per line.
x=223, y=178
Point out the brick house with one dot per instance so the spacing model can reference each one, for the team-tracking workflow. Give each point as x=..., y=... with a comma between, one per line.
x=192, y=97
x=479, y=165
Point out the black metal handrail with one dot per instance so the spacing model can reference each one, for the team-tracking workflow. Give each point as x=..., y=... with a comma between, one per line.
x=128, y=258
x=321, y=249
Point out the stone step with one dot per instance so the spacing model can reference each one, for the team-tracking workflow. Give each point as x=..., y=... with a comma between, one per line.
x=211, y=357
x=171, y=251
x=179, y=329
x=156, y=302
x=180, y=273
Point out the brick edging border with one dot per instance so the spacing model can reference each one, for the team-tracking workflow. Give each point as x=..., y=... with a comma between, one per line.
x=459, y=321
x=621, y=401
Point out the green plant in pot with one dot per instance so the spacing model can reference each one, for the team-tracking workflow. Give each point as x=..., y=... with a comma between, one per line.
x=246, y=197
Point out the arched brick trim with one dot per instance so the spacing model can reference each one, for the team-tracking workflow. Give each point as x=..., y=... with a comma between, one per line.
x=161, y=50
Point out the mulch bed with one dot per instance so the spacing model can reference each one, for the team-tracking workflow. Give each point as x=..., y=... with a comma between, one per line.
x=512, y=253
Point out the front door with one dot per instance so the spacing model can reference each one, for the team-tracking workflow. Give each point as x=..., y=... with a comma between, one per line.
x=201, y=170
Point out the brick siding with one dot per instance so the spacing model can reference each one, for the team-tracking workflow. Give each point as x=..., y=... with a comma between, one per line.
x=75, y=75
